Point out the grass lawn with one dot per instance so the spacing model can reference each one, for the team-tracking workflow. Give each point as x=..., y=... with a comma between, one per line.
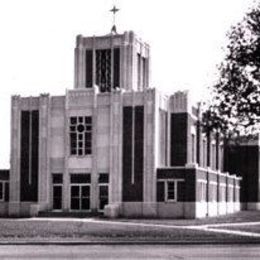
x=242, y=216
x=64, y=230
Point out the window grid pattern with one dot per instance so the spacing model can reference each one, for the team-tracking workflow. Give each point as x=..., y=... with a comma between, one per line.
x=81, y=135
x=169, y=188
x=103, y=69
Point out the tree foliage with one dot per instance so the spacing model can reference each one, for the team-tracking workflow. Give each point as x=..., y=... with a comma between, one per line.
x=236, y=95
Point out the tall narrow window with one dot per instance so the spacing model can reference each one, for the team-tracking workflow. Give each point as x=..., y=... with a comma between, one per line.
x=116, y=68
x=144, y=72
x=193, y=145
x=202, y=190
x=103, y=190
x=4, y=191
x=103, y=69
x=213, y=156
x=171, y=190
x=57, y=182
x=29, y=155
x=167, y=190
x=222, y=196
x=89, y=68
x=81, y=135
x=204, y=155
x=1, y=191
x=139, y=75
x=221, y=157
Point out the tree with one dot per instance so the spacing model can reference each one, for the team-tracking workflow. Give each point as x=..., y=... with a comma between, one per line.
x=236, y=96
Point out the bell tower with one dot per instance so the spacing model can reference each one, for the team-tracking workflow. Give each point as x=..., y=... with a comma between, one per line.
x=113, y=61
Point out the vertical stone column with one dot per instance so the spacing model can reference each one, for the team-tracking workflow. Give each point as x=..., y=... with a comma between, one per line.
x=123, y=63
x=94, y=194
x=149, y=205
x=129, y=64
x=44, y=160
x=66, y=176
x=115, y=171
x=147, y=69
x=129, y=67
x=134, y=75
x=80, y=75
x=140, y=87
x=14, y=198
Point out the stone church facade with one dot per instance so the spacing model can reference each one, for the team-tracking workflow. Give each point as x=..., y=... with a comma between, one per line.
x=115, y=146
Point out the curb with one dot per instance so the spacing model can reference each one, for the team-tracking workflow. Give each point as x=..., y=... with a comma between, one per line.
x=123, y=243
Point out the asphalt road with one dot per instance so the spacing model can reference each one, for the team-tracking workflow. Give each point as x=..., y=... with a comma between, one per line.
x=131, y=252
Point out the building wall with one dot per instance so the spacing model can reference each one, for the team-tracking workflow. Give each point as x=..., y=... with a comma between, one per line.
x=199, y=193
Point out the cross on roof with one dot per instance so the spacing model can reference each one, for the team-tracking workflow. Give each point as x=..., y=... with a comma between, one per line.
x=114, y=10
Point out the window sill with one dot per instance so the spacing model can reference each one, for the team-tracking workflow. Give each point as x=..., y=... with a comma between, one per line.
x=171, y=201
x=80, y=156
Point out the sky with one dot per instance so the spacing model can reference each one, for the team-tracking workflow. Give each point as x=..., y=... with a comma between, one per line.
x=37, y=40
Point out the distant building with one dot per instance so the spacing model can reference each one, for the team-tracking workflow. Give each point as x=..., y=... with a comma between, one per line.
x=115, y=145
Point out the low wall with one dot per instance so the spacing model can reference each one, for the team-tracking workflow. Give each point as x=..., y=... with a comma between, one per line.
x=171, y=210
x=201, y=209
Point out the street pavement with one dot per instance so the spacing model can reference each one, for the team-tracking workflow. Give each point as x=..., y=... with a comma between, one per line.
x=219, y=252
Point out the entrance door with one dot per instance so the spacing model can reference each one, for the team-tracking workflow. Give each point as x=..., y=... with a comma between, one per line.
x=80, y=197
x=57, y=197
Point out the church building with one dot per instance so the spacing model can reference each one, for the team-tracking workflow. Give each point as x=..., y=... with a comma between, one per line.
x=113, y=145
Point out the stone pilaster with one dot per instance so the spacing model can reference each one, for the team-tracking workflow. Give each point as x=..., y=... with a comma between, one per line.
x=76, y=67
x=94, y=173
x=149, y=207
x=44, y=160
x=115, y=171
x=14, y=199
x=129, y=67
x=80, y=74
x=66, y=175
